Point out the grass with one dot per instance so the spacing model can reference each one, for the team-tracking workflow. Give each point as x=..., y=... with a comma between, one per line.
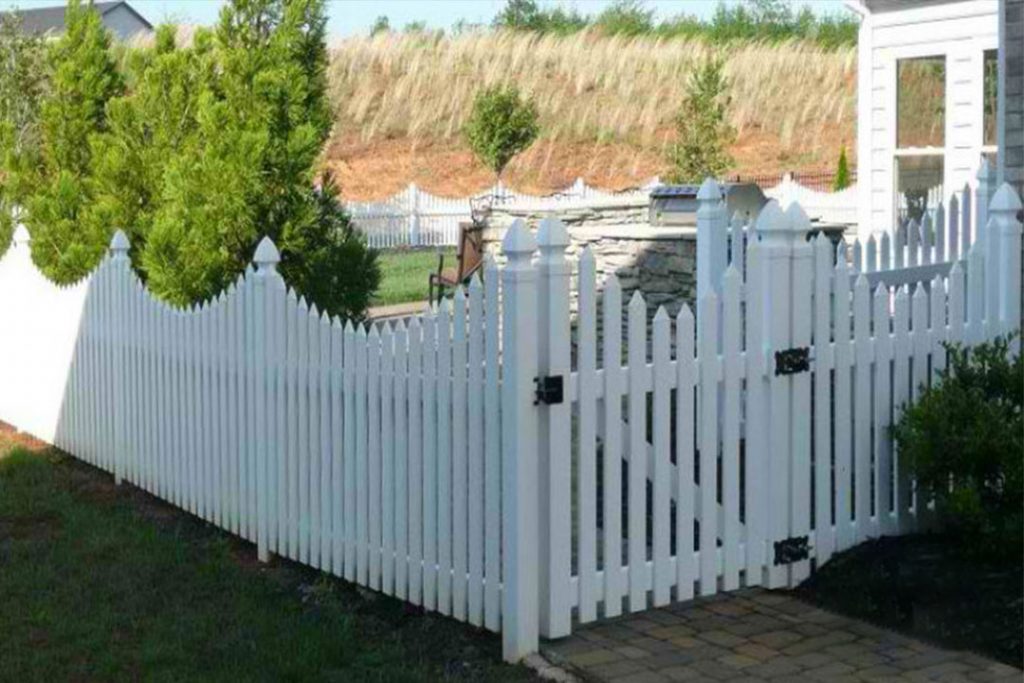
x=585, y=86
x=405, y=274
x=99, y=582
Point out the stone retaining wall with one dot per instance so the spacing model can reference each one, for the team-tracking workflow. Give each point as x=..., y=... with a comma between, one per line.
x=659, y=262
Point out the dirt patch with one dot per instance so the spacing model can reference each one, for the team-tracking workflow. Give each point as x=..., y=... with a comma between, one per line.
x=377, y=169
x=926, y=586
x=11, y=438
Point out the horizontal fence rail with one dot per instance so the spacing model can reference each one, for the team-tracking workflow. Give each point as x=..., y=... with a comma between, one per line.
x=505, y=459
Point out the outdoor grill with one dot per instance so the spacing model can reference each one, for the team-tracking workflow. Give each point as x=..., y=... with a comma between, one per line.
x=676, y=205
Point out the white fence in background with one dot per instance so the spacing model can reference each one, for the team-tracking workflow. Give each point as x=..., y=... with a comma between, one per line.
x=424, y=461
x=415, y=218
x=831, y=207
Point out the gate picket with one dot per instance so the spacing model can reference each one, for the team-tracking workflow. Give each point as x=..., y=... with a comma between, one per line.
x=707, y=414
x=612, y=457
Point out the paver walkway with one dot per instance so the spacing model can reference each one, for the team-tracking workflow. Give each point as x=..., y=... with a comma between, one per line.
x=758, y=635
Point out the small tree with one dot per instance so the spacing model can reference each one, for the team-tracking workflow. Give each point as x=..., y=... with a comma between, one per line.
x=703, y=131
x=501, y=125
x=842, y=179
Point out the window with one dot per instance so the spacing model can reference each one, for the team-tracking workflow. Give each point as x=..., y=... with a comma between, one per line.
x=990, y=97
x=918, y=185
x=921, y=102
x=920, y=135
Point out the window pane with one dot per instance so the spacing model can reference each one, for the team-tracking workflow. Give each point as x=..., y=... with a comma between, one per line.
x=921, y=102
x=918, y=186
x=991, y=95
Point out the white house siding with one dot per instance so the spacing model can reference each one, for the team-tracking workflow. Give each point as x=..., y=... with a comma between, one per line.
x=961, y=31
x=1012, y=94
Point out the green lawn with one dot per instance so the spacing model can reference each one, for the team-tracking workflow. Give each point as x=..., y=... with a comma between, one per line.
x=405, y=273
x=106, y=583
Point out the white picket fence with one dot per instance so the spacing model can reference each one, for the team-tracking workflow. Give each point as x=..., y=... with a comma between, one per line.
x=415, y=218
x=831, y=207
x=488, y=461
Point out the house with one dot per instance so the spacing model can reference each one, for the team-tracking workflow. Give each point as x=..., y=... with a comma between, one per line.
x=119, y=17
x=939, y=88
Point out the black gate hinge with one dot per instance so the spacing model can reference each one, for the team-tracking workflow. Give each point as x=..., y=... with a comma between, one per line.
x=548, y=390
x=793, y=549
x=792, y=361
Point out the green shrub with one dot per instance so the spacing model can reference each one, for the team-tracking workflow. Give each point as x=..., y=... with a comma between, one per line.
x=501, y=125
x=964, y=442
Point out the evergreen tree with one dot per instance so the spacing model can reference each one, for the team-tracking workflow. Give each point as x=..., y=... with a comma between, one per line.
x=22, y=80
x=254, y=117
x=842, y=179
x=83, y=78
x=703, y=130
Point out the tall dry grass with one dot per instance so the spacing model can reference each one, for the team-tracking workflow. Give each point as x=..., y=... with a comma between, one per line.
x=586, y=87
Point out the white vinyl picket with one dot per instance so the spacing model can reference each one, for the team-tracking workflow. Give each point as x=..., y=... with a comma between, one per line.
x=417, y=460
x=612, y=458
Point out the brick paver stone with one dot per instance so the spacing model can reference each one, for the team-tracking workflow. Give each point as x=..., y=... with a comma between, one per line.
x=759, y=635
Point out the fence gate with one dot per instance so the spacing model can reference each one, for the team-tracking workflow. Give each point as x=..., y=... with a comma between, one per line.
x=664, y=475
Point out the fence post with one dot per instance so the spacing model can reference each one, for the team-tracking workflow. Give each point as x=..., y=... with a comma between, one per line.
x=414, y=215
x=554, y=432
x=519, y=467
x=266, y=260
x=802, y=277
x=712, y=226
x=779, y=234
x=1004, y=224
x=119, y=259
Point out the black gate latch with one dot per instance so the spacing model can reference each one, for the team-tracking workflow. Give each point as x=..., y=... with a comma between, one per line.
x=548, y=390
x=792, y=361
x=792, y=550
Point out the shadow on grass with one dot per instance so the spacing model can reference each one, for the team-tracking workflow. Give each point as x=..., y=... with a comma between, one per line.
x=105, y=582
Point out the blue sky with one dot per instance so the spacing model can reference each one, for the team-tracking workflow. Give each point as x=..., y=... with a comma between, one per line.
x=348, y=17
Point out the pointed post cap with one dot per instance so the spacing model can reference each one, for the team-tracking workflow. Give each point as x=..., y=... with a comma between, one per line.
x=266, y=255
x=1005, y=200
x=119, y=243
x=709, y=191
x=21, y=235
x=798, y=219
x=552, y=234
x=772, y=219
x=519, y=243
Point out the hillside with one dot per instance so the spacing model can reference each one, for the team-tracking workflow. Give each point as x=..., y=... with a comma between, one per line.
x=607, y=107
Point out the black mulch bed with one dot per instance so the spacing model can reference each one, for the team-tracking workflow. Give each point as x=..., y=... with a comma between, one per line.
x=925, y=586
